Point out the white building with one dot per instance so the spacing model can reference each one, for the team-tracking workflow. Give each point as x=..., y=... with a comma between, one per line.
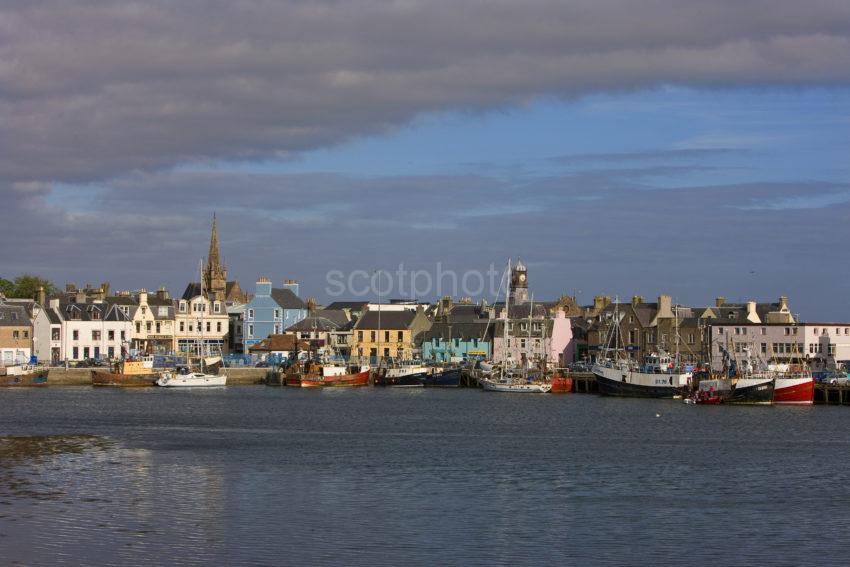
x=84, y=330
x=200, y=320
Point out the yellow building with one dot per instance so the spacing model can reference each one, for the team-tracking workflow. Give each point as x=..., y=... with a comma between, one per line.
x=381, y=334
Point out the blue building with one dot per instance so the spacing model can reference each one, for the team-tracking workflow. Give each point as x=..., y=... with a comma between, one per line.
x=270, y=311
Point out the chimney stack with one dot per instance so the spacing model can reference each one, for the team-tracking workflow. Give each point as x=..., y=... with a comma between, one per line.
x=143, y=296
x=636, y=300
x=291, y=285
x=752, y=315
x=719, y=301
x=162, y=293
x=783, y=303
x=80, y=296
x=41, y=296
x=665, y=306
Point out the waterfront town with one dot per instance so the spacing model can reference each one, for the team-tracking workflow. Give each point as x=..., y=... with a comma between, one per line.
x=94, y=325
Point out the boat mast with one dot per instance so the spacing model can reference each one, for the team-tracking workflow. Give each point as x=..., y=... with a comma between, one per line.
x=507, y=319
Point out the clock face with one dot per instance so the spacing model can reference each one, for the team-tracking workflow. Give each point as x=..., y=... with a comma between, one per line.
x=522, y=277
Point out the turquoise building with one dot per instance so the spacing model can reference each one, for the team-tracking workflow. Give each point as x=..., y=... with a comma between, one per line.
x=444, y=342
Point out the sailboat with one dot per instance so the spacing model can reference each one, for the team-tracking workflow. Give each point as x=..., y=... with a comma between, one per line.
x=659, y=377
x=184, y=376
x=503, y=379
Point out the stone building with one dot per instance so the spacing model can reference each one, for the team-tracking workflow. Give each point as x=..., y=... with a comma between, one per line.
x=380, y=334
x=16, y=332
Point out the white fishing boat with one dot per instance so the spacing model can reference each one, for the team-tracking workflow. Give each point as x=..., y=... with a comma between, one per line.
x=514, y=386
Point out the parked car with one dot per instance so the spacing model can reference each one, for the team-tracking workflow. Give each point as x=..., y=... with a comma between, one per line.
x=262, y=364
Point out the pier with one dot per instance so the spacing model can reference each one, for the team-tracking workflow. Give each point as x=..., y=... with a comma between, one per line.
x=832, y=394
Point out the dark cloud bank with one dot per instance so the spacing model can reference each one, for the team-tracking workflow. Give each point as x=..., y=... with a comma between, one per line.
x=115, y=94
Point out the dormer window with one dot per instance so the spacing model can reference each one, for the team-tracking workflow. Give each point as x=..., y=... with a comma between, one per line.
x=217, y=307
x=182, y=307
x=732, y=315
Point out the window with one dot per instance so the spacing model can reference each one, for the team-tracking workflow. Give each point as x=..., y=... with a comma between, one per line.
x=209, y=326
x=85, y=352
x=277, y=329
x=76, y=353
x=122, y=335
x=277, y=313
x=26, y=334
x=250, y=330
x=95, y=335
x=110, y=335
x=386, y=336
x=815, y=331
x=795, y=331
x=97, y=352
x=764, y=348
x=218, y=327
x=75, y=335
x=250, y=314
x=737, y=330
x=763, y=331
x=217, y=307
x=148, y=326
x=372, y=334
x=182, y=326
x=144, y=310
x=162, y=312
x=787, y=331
x=182, y=307
x=16, y=335
x=401, y=335
x=690, y=338
x=138, y=327
x=55, y=334
x=811, y=348
x=719, y=330
x=111, y=352
x=522, y=343
x=158, y=327
x=360, y=336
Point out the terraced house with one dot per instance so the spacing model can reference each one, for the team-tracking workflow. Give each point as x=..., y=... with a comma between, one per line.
x=153, y=319
x=15, y=334
x=84, y=329
x=271, y=311
x=381, y=334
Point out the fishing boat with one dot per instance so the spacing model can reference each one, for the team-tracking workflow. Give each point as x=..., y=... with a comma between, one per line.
x=443, y=378
x=660, y=376
x=403, y=376
x=24, y=375
x=334, y=375
x=743, y=391
x=133, y=372
x=795, y=388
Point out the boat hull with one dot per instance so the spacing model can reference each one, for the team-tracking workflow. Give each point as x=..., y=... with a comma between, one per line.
x=192, y=381
x=515, y=387
x=414, y=380
x=749, y=391
x=99, y=378
x=342, y=381
x=35, y=378
x=611, y=383
x=799, y=391
x=443, y=379
x=562, y=384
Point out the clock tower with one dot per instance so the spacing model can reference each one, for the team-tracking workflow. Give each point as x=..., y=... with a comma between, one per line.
x=519, y=283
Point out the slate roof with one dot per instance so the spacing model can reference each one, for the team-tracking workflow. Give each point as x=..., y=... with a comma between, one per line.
x=287, y=299
x=350, y=305
x=86, y=311
x=464, y=331
x=13, y=316
x=388, y=319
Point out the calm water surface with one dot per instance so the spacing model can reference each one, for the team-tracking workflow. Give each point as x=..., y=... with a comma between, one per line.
x=263, y=476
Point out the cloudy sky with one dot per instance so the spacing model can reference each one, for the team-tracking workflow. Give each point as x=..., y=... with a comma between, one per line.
x=616, y=146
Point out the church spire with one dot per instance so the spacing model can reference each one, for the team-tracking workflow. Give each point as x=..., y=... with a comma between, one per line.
x=213, y=259
x=216, y=273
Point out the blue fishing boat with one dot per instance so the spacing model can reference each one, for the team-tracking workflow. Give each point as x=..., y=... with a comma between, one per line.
x=445, y=378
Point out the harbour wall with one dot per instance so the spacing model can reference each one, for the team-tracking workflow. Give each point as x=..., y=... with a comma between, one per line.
x=82, y=376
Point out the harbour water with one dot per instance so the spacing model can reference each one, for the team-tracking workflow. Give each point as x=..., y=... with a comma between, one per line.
x=281, y=476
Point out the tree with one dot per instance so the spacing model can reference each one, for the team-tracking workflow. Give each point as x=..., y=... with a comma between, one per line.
x=7, y=288
x=26, y=286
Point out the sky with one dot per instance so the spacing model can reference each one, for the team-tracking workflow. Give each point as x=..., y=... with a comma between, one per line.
x=617, y=147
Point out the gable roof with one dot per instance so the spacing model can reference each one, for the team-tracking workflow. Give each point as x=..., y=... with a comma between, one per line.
x=13, y=315
x=465, y=331
x=386, y=320
x=280, y=343
x=287, y=299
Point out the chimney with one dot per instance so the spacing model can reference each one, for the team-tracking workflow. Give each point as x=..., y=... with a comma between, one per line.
x=598, y=303
x=41, y=296
x=54, y=303
x=665, y=306
x=783, y=303
x=752, y=315
x=719, y=301
x=636, y=300
x=104, y=289
x=80, y=296
x=311, y=304
x=143, y=296
x=70, y=287
x=291, y=285
x=162, y=293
